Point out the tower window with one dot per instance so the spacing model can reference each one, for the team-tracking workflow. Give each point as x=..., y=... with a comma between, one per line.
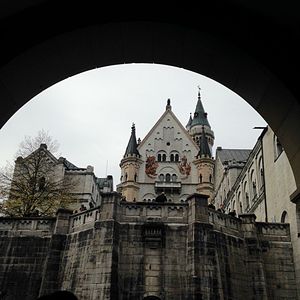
x=168, y=177
x=159, y=157
x=200, y=178
x=164, y=157
x=172, y=157
x=176, y=157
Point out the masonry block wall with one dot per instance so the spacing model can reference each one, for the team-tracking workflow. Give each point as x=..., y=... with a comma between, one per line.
x=124, y=250
x=24, y=247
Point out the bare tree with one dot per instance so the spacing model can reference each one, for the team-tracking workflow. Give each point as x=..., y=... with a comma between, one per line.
x=36, y=185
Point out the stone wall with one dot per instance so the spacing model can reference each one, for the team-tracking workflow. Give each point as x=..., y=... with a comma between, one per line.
x=124, y=250
x=24, y=246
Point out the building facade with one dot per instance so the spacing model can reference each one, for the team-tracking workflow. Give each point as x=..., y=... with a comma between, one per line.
x=158, y=237
x=86, y=188
x=263, y=186
x=171, y=162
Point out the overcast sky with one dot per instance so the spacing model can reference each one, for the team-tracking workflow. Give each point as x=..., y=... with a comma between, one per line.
x=91, y=114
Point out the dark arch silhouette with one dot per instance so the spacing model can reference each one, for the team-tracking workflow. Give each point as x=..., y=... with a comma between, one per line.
x=151, y=298
x=242, y=46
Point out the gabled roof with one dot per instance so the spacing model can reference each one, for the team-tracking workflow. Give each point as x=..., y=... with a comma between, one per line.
x=167, y=111
x=69, y=165
x=229, y=155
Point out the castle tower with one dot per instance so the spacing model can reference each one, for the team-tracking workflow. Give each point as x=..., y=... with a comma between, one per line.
x=130, y=164
x=199, y=121
x=205, y=165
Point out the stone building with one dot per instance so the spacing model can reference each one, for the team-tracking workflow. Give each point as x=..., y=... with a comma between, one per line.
x=263, y=186
x=86, y=188
x=157, y=237
x=171, y=161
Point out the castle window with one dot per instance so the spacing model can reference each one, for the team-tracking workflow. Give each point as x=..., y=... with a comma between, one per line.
x=158, y=157
x=135, y=177
x=176, y=157
x=161, y=177
x=164, y=157
x=126, y=176
x=172, y=157
x=210, y=178
x=277, y=147
x=168, y=177
x=200, y=178
x=283, y=217
x=174, y=177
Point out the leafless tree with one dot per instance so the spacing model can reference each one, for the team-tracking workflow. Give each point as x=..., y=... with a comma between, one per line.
x=36, y=186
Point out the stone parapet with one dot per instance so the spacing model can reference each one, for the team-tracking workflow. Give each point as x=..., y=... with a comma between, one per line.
x=147, y=212
x=26, y=226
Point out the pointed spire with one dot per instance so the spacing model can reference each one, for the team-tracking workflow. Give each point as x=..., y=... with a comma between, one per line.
x=168, y=106
x=200, y=116
x=188, y=125
x=132, y=144
x=204, y=147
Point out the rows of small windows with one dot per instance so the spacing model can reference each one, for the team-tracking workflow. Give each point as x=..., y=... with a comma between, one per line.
x=251, y=189
x=162, y=157
x=167, y=177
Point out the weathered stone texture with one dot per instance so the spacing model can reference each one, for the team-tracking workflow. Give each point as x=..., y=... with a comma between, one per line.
x=131, y=251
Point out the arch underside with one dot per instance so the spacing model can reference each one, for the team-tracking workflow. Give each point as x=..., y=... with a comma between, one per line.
x=102, y=45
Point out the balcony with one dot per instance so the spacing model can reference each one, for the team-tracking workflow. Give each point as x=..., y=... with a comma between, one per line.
x=168, y=187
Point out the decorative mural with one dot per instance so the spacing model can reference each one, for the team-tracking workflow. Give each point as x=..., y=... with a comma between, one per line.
x=184, y=166
x=151, y=166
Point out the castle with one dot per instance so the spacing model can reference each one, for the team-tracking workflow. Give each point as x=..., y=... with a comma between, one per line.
x=161, y=235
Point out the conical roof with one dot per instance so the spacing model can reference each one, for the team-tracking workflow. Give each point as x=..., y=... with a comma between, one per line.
x=204, y=146
x=132, y=144
x=190, y=121
x=200, y=116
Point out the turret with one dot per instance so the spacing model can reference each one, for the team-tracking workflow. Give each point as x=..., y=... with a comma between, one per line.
x=202, y=134
x=130, y=165
x=205, y=166
x=199, y=121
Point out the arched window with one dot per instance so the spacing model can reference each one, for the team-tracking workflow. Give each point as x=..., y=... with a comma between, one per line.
x=135, y=177
x=168, y=177
x=200, y=178
x=174, y=177
x=254, y=189
x=240, y=203
x=246, y=194
x=164, y=157
x=126, y=176
x=172, y=157
x=161, y=177
x=158, y=157
x=277, y=147
x=176, y=157
x=284, y=217
x=210, y=178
